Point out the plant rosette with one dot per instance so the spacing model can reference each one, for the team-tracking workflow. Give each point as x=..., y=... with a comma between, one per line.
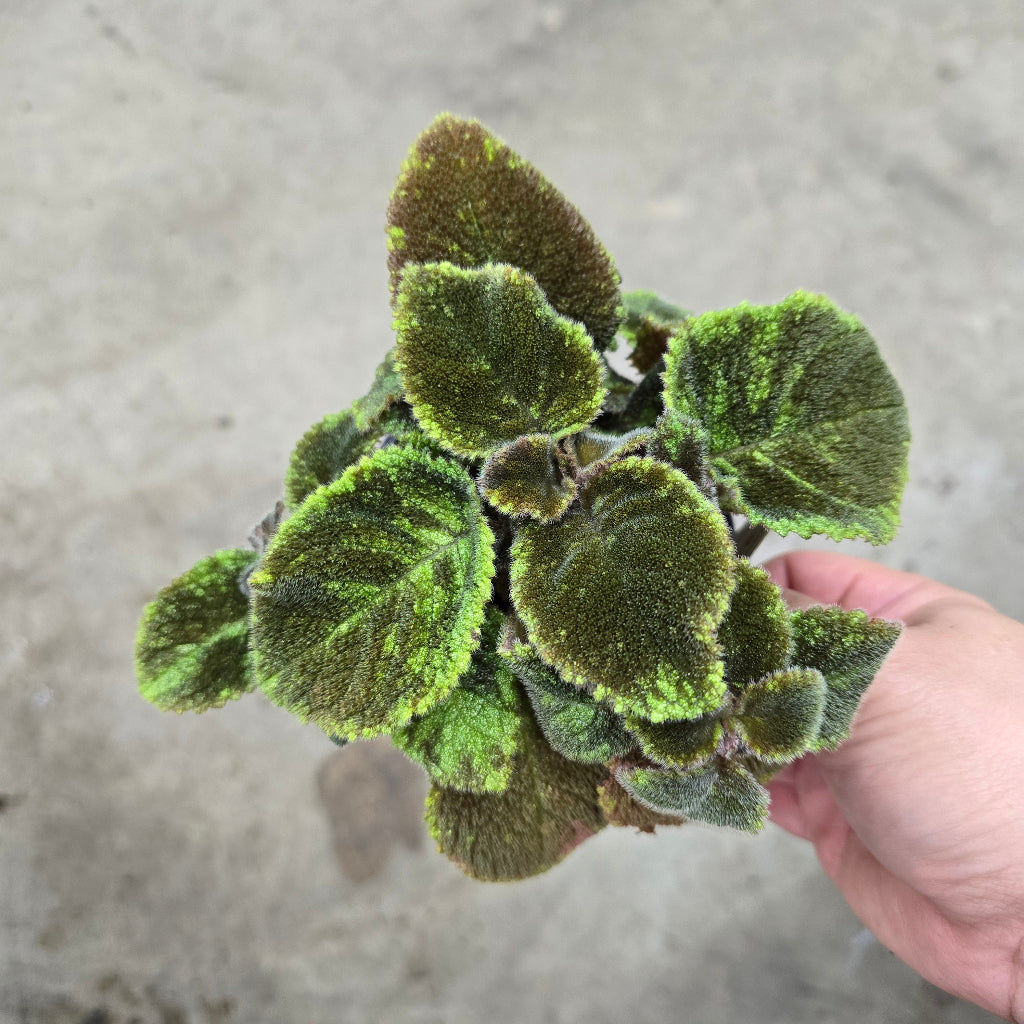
x=523, y=566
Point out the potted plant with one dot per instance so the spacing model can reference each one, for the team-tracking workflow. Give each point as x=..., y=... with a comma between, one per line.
x=528, y=568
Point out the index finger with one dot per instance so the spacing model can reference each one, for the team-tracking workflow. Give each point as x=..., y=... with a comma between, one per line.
x=834, y=579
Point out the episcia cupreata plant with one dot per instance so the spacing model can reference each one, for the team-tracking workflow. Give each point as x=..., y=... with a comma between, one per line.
x=524, y=566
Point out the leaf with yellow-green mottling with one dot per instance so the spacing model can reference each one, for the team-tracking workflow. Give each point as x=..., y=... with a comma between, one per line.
x=848, y=649
x=803, y=417
x=469, y=740
x=755, y=634
x=384, y=394
x=192, y=650
x=485, y=359
x=368, y=602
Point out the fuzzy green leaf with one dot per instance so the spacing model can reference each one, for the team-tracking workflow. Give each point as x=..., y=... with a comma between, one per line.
x=485, y=359
x=325, y=451
x=469, y=741
x=548, y=809
x=778, y=717
x=620, y=809
x=464, y=197
x=647, y=326
x=329, y=447
x=384, y=394
x=523, y=478
x=719, y=792
x=624, y=596
x=802, y=415
x=368, y=602
x=848, y=648
x=192, y=649
x=755, y=634
x=575, y=724
x=683, y=744
x=681, y=442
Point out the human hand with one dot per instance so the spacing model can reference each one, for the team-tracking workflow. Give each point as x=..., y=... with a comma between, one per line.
x=919, y=817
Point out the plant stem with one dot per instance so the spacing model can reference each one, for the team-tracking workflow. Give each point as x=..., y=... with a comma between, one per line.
x=749, y=538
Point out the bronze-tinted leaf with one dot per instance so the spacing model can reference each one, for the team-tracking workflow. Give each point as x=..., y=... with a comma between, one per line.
x=523, y=478
x=624, y=596
x=464, y=197
x=591, y=451
x=647, y=325
x=548, y=809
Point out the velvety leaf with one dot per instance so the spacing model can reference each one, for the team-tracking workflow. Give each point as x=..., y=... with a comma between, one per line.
x=647, y=326
x=329, y=447
x=523, y=478
x=719, y=792
x=326, y=450
x=624, y=595
x=778, y=717
x=385, y=393
x=620, y=809
x=575, y=724
x=469, y=740
x=683, y=744
x=368, y=603
x=755, y=634
x=192, y=649
x=485, y=359
x=801, y=412
x=847, y=648
x=464, y=197
x=591, y=451
x=681, y=442
x=548, y=809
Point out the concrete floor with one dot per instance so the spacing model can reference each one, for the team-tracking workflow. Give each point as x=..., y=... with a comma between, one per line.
x=192, y=272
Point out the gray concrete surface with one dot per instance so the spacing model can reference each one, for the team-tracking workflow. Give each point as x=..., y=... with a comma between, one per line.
x=192, y=271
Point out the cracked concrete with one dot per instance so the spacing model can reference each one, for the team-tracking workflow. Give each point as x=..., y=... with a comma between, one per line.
x=192, y=272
